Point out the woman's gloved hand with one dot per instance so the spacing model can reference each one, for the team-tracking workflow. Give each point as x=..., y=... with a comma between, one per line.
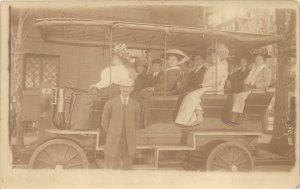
x=93, y=89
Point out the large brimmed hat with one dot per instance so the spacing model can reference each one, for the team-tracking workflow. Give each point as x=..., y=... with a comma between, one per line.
x=260, y=52
x=121, y=50
x=126, y=83
x=182, y=57
x=176, y=52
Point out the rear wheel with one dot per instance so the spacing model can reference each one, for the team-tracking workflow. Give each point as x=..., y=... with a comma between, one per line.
x=58, y=154
x=229, y=156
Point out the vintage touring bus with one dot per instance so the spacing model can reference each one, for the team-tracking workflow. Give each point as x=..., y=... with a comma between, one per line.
x=212, y=146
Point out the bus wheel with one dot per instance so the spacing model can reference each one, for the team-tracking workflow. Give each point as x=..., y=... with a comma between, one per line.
x=229, y=156
x=58, y=154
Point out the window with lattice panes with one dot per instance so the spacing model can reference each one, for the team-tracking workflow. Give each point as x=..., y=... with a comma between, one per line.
x=40, y=69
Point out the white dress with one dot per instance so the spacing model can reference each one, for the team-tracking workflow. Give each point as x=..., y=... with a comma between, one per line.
x=215, y=74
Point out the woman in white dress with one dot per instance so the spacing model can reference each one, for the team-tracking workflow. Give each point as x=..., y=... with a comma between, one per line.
x=190, y=112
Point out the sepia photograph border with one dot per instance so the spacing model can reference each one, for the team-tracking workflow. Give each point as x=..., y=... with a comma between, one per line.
x=26, y=178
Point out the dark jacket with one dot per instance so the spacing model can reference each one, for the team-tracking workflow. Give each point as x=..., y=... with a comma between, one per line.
x=141, y=82
x=113, y=124
x=173, y=76
x=154, y=80
x=196, y=78
x=236, y=81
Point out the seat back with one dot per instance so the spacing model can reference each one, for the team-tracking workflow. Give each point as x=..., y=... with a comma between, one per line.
x=161, y=108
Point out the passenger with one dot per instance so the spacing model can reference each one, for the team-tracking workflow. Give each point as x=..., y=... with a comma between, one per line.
x=141, y=81
x=235, y=80
x=82, y=109
x=234, y=84
x=259, y=77
x=171, y=76
x=155, y=75
x=193, y=80
x=184, y=79
x=196, y=77
x=143, y=94
x=111, y=76
x=190, y=112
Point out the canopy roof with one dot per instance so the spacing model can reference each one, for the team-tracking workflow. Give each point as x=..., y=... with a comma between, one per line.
x=96, y=33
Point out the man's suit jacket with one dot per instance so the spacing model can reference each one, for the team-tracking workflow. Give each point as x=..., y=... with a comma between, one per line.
x=113, y=124
x=172, y=78
x=263, y=78
x=154, y=80
x=196, y=78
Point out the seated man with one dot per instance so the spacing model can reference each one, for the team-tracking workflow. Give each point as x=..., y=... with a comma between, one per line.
x=259, y=78
x=235, y=80
x=196, y=76
x=155, y=75
x=234, y=84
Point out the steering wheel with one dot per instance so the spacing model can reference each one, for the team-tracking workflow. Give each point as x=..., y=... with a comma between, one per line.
x=76, y=90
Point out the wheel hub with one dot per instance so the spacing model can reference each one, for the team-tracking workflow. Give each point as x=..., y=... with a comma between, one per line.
x=233, y=167
x=59, y=167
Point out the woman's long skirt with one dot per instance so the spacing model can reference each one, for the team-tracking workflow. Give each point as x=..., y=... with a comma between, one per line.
x=187, y=113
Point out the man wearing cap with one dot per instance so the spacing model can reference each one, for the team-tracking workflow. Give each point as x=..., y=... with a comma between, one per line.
x=120, y=119
x=259, y=78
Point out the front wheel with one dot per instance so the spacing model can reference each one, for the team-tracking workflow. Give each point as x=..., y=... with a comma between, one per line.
x=58, y=154
x=229, y=156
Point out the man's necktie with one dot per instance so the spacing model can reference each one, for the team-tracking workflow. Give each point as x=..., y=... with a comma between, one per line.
x=124, y=103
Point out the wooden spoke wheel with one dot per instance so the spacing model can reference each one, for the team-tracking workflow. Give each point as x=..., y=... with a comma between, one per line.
x=58, y=154
x=229, y=156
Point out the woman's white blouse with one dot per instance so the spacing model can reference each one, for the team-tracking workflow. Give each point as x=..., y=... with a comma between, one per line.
x=217, y=71
x=118, y=73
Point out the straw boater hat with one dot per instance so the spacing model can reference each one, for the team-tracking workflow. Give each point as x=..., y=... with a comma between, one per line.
x=182, y=57
x=126, y=83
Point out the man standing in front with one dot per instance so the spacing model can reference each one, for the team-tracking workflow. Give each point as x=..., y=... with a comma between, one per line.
x=120, y=119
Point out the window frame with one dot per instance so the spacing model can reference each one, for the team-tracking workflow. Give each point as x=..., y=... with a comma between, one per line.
x=41, y=68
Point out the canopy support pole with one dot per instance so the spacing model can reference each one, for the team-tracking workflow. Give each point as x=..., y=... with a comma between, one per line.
x=165, y=65
x=110, y=62
x=216, y=82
